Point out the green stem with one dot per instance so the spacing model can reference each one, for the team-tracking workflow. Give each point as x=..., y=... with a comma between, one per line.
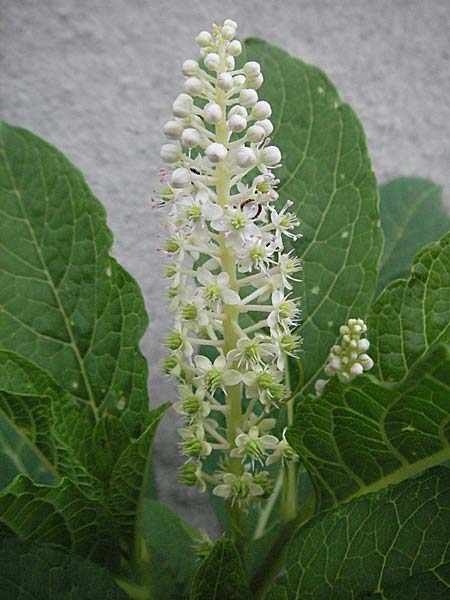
x=230, y=334
x=289, y=492
x=273, y=564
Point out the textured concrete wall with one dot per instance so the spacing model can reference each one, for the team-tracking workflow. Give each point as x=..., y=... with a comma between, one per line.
x=97, y=78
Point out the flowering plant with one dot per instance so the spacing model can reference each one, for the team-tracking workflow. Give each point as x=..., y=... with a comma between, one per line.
x=312, y=365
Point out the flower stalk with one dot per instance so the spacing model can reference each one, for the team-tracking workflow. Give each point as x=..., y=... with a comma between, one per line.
x=230, y=276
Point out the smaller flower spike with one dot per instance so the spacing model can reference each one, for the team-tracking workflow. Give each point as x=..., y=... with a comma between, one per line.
x=230, y=276
x=349, y=359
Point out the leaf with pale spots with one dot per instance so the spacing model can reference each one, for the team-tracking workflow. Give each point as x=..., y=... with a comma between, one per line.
x=328, y=175
x=66, y=305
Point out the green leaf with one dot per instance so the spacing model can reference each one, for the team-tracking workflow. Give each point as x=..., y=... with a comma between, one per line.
x=358, y=438
x=31, y=571
x=412, y=215
x=380, y=545
x=328, y=175
x=221, y=575
x=47, y=421
x=170, y=546
x=277, y=592
x=128, y=481
x=61, y=515
x=19, y=455
x=411, y=317
x=67, y=306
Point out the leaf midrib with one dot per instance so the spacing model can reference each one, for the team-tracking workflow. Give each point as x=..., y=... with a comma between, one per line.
x=52, y=285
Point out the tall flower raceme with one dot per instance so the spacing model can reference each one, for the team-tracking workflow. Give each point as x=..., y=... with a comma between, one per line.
x=230, y=276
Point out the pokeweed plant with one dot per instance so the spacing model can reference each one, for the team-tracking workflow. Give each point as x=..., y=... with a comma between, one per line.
x=329, y=482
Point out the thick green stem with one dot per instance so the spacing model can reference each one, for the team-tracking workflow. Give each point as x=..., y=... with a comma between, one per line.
x=230, y=335
x=289, y=492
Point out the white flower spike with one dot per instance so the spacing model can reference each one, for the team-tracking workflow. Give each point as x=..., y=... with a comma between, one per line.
x=227, y=263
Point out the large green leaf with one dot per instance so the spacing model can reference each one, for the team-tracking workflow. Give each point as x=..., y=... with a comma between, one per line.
x=380, y=545
x=328, y=175
x=221, y=575
x=30, y=571
x=360, y=437
x=61, y=515
x=411, y=317
x=129, y=478
x=412, y=215
x=67, y=306
x=170, y=544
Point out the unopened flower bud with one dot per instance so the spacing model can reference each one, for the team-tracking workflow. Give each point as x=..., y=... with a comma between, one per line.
x=212, y=113
x=190, y=67
x=230, y=23
x=182, y=106
x=266, y=125
x=180, y=178
x=255, y=83
x=229, y=62
x=227, y=32
x=216, y=152
x=193, y=86
x=173, y=130
x=261, y=110
x=248, y=97
x=239, y=80
x=204, y=39
x=245, y=158
x=255, y=134
x=238, y=110
x=271, y=156
x=190, y=138
x=234, y=48
x=225, y=82
x=170, y=153
x=212, y=61
x=237, y=123
x=252, y=69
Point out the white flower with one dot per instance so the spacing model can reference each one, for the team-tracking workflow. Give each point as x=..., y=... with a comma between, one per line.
x=237, y=226
x=282, y=451
x=216, y=288
x=265, y=384
x=239, y=488
x=192, y=404
x=250, y=352
x=194, y=443
x=257, y=253
x=285, y=313
x=210, y=375
x=284, y=222
x=196, y=210
x=253, y=445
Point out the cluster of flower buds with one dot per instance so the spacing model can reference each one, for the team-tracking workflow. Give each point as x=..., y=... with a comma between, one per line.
x=230, y=277
x=349, y=359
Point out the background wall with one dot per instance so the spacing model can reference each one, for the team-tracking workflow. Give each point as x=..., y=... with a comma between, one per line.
x=97, y=79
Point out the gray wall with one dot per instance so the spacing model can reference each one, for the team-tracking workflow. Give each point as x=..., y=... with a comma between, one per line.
x=97, y=78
